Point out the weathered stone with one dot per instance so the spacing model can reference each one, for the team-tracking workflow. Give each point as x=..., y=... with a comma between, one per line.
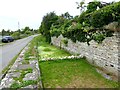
x=104, y=75
x=13, y=74
x=8, y=80
x=33, y=61
x=25, y=66
x=30, y=76
x=6, y=83
x=106, y=51
x=29, y=87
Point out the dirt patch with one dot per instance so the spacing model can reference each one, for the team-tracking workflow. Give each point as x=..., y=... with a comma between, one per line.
x=107, y=74
x=79, y=82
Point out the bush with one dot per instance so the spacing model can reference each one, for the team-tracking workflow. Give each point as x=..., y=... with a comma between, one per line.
x=47, y=49
x=106, y=15
x=16, y=35
x=98, y=37
x=65, y=41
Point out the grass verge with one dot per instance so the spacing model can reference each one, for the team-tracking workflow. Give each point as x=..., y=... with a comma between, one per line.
x=30, y=52
x=23, y=73
x=49, y=51
x=77, y=73
x=9, y=65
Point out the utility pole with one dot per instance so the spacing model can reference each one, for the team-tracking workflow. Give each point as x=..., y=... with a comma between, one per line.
x=18, y=26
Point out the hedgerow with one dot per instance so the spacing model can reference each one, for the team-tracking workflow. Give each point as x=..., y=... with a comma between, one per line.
x=89, y=25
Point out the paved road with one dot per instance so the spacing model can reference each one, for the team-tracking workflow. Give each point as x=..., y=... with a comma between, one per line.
x=9, y=51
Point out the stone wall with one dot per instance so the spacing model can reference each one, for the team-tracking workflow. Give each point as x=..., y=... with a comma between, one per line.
x=104, y=55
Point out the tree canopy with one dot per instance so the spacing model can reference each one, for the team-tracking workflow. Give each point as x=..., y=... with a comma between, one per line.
x=89, y=25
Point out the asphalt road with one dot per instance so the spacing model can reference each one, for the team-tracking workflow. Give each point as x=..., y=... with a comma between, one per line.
x=9, y=51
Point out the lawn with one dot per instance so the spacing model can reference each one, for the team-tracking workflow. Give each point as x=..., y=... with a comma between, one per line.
x=72, y=73
x=77, y=73
x=49, y=51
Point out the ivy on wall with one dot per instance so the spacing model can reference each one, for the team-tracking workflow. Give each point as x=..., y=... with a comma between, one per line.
x=89, y=25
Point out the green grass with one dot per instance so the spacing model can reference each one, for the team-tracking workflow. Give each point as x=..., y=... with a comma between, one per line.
x=23, y=84
x=77, y=73
x=23, y=73
x=73, y=73
x=48, y=51
x=32, y=51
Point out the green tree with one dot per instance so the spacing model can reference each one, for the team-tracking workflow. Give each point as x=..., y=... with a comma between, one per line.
x=25, y=29
x=28, y=33
x=81, y=6
x=3, y=32
x=16, y=35
x=47, y=21
x=67, y=16
x=92, y=6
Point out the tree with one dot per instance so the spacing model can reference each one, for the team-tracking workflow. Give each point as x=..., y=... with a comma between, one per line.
x=46, y=23
x=3, y=32
x=92, y=6
x=16, y=35
x=25, y=29
x=81, y=6
x=67, y=16
x=28, y=32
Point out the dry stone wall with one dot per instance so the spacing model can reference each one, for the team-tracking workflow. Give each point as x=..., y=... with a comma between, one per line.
x=104, y=55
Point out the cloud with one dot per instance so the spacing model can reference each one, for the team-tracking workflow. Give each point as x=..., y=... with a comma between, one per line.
x=30, y=12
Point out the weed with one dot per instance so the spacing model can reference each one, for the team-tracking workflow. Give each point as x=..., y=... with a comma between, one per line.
x=22, y=75
x=25, y=62
x=23, y=84
x=47, y=49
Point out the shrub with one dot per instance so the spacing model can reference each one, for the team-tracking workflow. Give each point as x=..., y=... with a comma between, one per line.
x=106, y=15
x=65, y=41
x=47, y=49
x=16, y=35
x=98, y=37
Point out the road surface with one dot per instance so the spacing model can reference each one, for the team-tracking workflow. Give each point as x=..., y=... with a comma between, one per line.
x=9, y=51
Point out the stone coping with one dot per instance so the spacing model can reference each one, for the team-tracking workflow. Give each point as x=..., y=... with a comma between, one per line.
x=62, y=58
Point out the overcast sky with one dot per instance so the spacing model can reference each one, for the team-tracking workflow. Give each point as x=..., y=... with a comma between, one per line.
x=30, y=12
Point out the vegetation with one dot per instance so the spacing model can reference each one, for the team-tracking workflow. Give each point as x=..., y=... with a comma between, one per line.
x=85, y=27
x=48, y=20
x=9, y=65
x=32, y=51
x=65, y=41
x=74, y=73
x=23, y=84
x=18, y=34
x=49, y=51
x=23, y=73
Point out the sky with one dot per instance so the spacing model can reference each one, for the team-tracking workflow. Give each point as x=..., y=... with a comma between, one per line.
x=16, y=14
